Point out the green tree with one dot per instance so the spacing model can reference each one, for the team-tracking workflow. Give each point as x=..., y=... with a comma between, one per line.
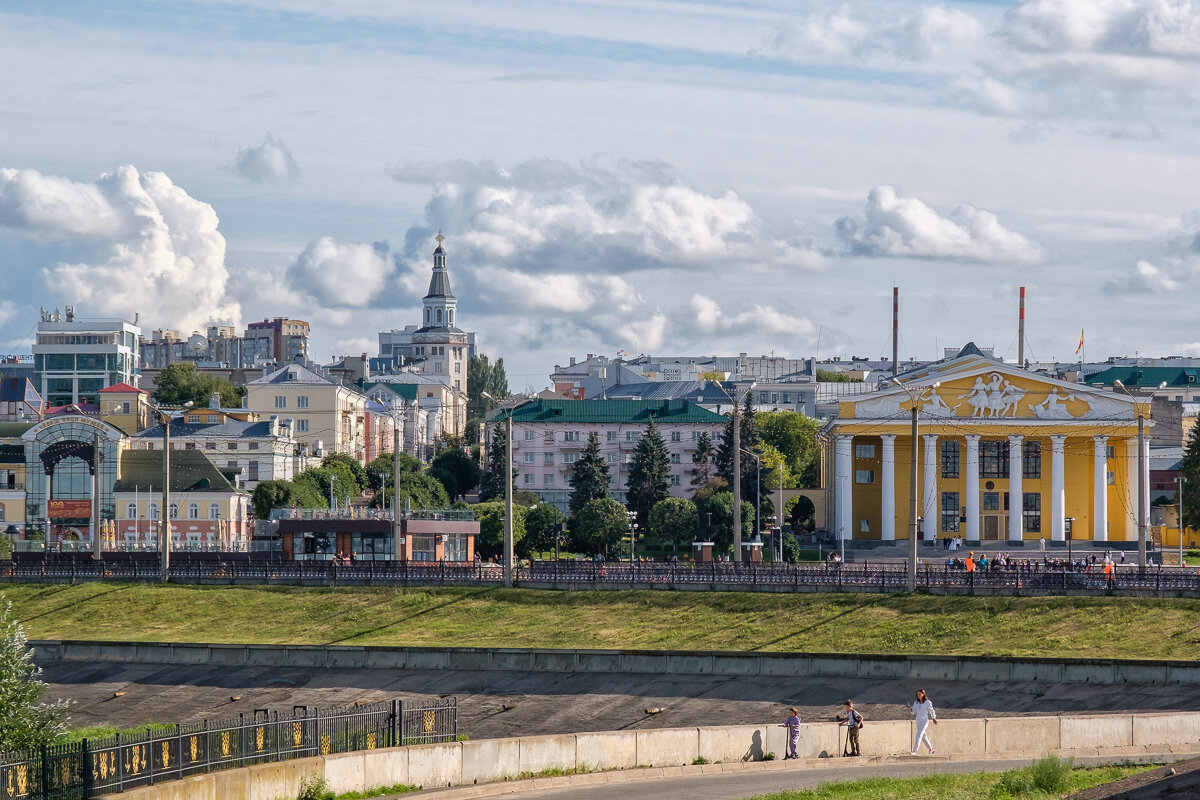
x=316, y=480
x=483, y=376
x=720, y=505
x=269, y=495
x=541, y=524
x=491, y=485
x=829, y=376
x=704, y=458
x=794, y=436
x=490, y=542
x=180, y=382
x=599, y=526
x=674, y=521
x=420, y=491
x=649, y=475
x=379, y=469
x=791, y=550
x=750, y=440
x=461, y=469
x=25, y=723
x=1189, y=468
x=349, y=466
x=589, y=476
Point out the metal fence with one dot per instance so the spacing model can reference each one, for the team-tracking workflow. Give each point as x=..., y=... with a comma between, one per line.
x=1025, y=577
x=94, y=767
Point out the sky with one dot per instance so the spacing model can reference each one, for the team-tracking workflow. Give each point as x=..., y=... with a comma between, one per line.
x=674, y=177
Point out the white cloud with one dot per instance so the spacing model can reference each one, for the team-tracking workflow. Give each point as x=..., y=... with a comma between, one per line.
x=269, y=161
x=341, y=274
x=8, y=311
x=137, y=242
x=617, y=215
x=895, y=225
x=707, y=317
x=1147, y=278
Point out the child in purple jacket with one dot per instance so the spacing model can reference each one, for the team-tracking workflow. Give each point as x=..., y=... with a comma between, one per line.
x=792, y=723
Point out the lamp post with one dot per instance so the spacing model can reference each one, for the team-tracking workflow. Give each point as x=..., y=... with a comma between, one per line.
x=508, y=494
x=396, y=412
x=1070, y=523
x=1179, y=501
x=758, y=489
x=164, y=530
x=1141, y=468
x=737, y=466
x=633, y=527
x=915, y=401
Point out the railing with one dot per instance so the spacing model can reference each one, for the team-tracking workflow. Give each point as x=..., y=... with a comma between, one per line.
x=101, y=766
x=361, y=513
x=1024, y=578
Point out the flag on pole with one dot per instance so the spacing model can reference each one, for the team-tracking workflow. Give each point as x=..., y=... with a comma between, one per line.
x=1079, y=349
x=622, y=353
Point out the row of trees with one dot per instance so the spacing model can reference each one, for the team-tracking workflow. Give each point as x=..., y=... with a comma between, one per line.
x=788, y=453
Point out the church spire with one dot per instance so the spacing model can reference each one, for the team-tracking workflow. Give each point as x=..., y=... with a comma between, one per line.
x=439, y=301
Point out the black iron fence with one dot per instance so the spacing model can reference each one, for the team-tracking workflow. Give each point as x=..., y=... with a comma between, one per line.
x=1028, y=576
x=94, y=767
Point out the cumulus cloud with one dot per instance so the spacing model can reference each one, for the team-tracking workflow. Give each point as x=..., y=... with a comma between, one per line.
x=342, y=274
x=932, y=32
x=138, y=244
x=895, y=225
x=708, y=317
x=1145, y=278
x=544, y=215
x=1175, y=266
x=269, y=161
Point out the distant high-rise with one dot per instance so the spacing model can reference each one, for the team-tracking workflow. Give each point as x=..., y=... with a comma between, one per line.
x=73, y=358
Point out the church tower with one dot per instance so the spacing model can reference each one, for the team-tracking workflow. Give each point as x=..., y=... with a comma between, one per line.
x=439, y=301
x=444, y=346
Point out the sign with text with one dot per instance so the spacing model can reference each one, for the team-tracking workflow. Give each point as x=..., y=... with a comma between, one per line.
x=70, y=509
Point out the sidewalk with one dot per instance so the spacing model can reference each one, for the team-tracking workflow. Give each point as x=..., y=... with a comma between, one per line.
x=746, y=779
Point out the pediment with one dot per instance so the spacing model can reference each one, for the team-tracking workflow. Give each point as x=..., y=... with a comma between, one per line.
x=978, y=388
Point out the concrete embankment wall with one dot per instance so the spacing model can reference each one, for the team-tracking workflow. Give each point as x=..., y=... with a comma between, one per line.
x=487, y=760
x=900, y=667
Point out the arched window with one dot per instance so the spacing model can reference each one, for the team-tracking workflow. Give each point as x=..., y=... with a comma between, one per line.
x=152, y=511
x=174, y=510
x=427, y=316
x=450, y=316
x=193, y=511
x=214, y=510
x=439, y=316
x=131, y=511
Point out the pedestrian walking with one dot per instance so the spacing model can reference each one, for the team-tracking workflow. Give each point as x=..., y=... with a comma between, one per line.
x=922, y=709
x=792, y=723
x=854, y=723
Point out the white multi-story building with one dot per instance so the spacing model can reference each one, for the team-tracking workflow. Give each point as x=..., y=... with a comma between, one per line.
x=256, y=451
x=549, y=435
x=327, y=416
x=75, y=358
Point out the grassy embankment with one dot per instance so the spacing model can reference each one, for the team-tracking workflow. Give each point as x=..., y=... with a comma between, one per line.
x=1057, y=626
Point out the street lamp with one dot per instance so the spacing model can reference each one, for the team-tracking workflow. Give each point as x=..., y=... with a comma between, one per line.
x=912, y=480
x=1179, y=501
x=165, y=529
x=1070, y=523
x=1143, y=489
x=633, y=527
x=737, y=467
x=508, y=494
x=758, y=489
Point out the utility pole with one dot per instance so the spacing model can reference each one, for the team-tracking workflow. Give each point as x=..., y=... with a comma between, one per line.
x=96, y=552
x=165, y=528
x=737, y=480
x=1179, y=501
x=1142, y=489
x=508, y=501
x=398, y=542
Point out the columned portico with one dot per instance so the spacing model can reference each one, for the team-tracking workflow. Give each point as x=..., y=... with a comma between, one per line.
x=1016, y=493
x=1058, y=495
x=844, y=478
x=1100, y=490
x=931, y=510
x=972, y=504
x=887, y=529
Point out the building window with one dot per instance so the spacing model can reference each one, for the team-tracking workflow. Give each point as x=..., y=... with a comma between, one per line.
x=302, y=401
x=548, y=436
x=548, y=480
x=1031, y=512
x=949, y=460
x=570, y=458
x=189, y=446
x=1111, y=478
x=611, y=437
x=152, y=511
x=991, y=501
x=530, y=435
x=570, y=436
x=676, y=436
x=610, y=458
x=254, y=445
x=548, y=458
x=864, y=451
x=213, y=418
x=210, y=445
x=174, y=511
x=231, y=446
x=949, y=512
x=1031, y=460
x=631, y=436
x=193, y=511
x=864, y=476
x=1109, y=451
x=528, y=480
x=674, y=480
x=674, y=458
x=529, y=458
x=280, y=401
x=302, y=426
x=131, y=511
x=993, y=459
x=214, y=510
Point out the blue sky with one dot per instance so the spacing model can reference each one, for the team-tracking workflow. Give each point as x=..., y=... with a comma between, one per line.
x=666, y=177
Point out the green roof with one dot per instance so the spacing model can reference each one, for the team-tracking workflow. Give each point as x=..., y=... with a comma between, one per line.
x=1149, y=377
x=408, y=391
x=14, y=430
x=191, y=471
x=614, y=411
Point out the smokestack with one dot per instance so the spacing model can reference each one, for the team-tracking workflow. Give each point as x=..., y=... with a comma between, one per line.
x=1021, y=332
x=895, y=331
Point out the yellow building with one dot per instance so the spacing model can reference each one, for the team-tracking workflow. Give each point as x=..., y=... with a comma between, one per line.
x=326, y=416
x=1003, y=454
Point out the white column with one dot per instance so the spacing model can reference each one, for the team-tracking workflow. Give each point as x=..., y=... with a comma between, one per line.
x=1058, y=494
x=1016, y=496
x=972, y=489
x=1145, y=501
x=887, y=489
x=844, y=464
x=931, y=508
x=1100, y=490
x=1131, y=480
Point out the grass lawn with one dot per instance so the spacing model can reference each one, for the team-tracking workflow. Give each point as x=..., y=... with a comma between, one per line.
x=491, y=617
x=1017, y=783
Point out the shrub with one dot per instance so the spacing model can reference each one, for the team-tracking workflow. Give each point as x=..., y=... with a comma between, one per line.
x=1051, y=774
x=314, y=788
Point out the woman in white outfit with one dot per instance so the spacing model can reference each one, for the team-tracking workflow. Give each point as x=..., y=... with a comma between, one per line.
x=922, y=709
